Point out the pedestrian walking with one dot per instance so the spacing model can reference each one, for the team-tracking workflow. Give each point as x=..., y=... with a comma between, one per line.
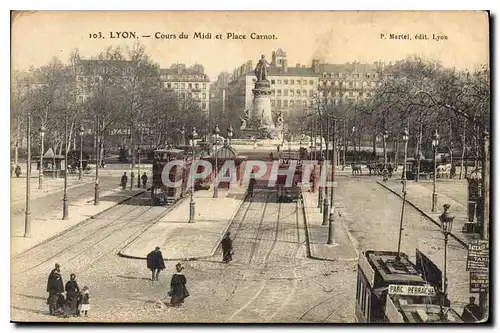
x=144, y=179
x=55, y=288
x=123, y=181
x=155, y=263
x=72, y=292
x=251, y=185
x=84, y=302
x=227, y=248
x=18, y=171
x=178, y=291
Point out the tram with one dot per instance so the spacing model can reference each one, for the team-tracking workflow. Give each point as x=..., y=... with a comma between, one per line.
x=391, y=289
x=178, y=174
x=289, y=193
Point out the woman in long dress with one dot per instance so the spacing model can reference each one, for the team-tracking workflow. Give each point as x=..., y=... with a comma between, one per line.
x=178, y=291
x=72, y=291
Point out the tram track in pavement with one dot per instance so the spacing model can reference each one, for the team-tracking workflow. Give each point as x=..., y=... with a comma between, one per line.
x=84, y=243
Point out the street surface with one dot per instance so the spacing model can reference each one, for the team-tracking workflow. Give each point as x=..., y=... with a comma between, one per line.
x=270, y=279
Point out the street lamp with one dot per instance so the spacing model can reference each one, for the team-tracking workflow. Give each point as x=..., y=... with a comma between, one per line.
x=435, y=143
x=446, y=227
x=40, y=170
x=384, y=136
x=27, y=212
x=138, y=166
x=65, y=196
x=81, y=153
x=405, y=136
x=191, y=203
x=320, y=188
x=216, y=140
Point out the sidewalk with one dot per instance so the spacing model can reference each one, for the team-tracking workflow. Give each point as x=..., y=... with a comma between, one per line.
x=49, y=186
x=43, y=229
x=317, y=234
x=420, y=197
x=180, y=240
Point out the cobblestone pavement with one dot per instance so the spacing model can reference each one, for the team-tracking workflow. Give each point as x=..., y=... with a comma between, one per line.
x=269, y=280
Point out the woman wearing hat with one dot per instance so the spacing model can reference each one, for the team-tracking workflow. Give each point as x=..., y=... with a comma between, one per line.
x=178, y=291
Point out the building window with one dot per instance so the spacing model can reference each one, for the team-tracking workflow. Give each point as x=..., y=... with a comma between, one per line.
x=304, y=93
x=190, y=86
x=292, y=82
x=291, y=93
x=197, y=86
x=272, y=102
x=176, y=85
x=272, y=81
x=204, y=86
x=285, y=81
x=204, y=95
x=279, y=92
x=273, y=92
x=279, y=81
x=298, y=92
x=311, y=82
x=278, y=102
x=285, y=92
x=204, y=105
x=285, y=103
x=305, y=103
x=183, y=85
x=304, y=81
x=291, y=102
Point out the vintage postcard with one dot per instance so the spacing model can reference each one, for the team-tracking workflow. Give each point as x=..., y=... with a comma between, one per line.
x=250, y=167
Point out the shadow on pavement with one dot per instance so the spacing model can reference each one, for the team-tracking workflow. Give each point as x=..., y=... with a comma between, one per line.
x=133, y=277
x=31, y=310
x=33, y=297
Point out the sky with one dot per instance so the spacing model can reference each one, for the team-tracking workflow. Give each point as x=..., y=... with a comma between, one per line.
x=334, y=37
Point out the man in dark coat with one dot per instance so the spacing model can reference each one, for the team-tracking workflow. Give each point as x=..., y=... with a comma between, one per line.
x=55, y=288
x=472, y=311
x=123, y=181
x=178, y=291
x=155, y=263
x=227, y=248
x=144, y=179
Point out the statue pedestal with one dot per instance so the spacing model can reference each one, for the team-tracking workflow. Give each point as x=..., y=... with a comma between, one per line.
x=261, y=110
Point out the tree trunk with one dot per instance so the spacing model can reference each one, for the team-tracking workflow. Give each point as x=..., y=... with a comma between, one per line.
x=396, y=156
x=374, y=151
x=463, y=151
x=419, y=146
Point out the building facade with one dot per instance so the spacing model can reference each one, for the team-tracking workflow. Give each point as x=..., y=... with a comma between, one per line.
x=188, y=82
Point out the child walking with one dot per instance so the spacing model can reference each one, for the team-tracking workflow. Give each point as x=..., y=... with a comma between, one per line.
x=85, y=301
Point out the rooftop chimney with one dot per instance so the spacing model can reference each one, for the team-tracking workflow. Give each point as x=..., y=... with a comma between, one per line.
x=297, y=66
x=285, y=66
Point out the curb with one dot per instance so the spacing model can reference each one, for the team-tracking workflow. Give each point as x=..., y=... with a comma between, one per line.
x=49, y=192
x=77, y=224
x=211, y=253
x=309, y=253
x=424, y=213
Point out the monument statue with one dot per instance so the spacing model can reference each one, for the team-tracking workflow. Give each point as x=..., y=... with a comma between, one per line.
x=243, y=123
x=261, y=69
x=279, y=121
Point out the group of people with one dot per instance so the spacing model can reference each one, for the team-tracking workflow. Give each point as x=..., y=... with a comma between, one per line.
x=124, y=179
x=15, y=169
x=76, y=302
x=178, y=291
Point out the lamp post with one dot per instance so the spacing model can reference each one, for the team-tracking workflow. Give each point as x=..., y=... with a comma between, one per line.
x=97, y=153
x=138, y=166
x=332, y=190
x=446, y=227
x=435, y=143
x=27, y=212
x=80, y=174
x=191, y=203
x=40, y=170
x=65, y=196
x=405, y=136
x=216, y=140
x=320, y=189
x=384, y=136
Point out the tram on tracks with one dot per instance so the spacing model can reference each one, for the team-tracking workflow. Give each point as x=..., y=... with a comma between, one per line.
x=289, y=193
x=391, y=289
x=178, y=174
